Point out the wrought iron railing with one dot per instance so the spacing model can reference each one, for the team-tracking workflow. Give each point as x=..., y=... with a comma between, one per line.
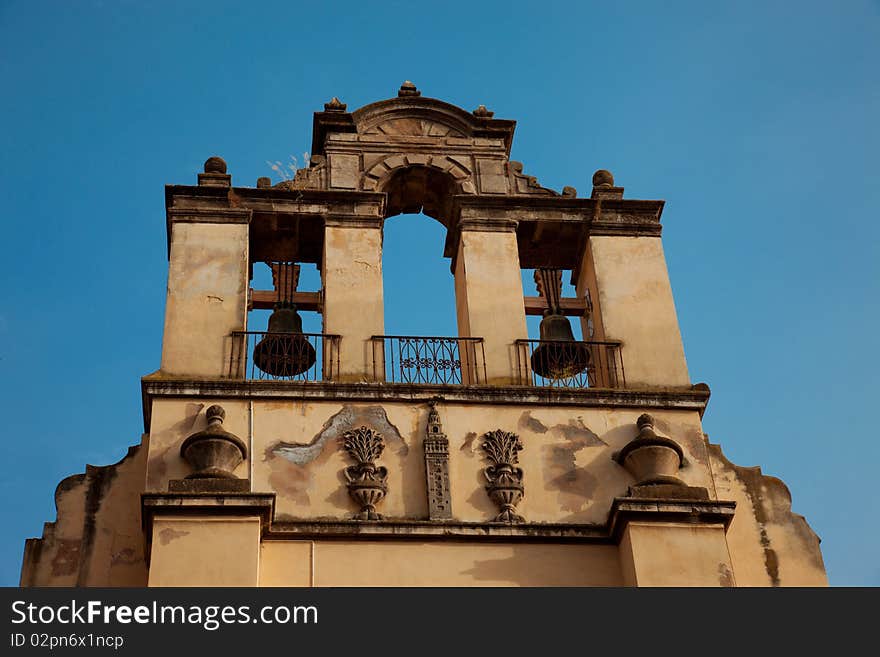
x=428, y=359
x=561, y=364
x=284, y=356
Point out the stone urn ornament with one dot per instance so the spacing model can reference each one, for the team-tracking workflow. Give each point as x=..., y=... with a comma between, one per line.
x=213, y=453
x=505, y=486
x=651, y=459
x=367, y=482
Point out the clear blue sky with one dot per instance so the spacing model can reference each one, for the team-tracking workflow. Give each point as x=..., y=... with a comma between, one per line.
x=757, y=122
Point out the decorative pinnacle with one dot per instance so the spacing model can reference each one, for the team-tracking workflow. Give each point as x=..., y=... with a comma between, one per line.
x=335, y=105
x=603, y=178
x=482, y=113
x=215, y=414
x=215, y=164
x=408, y=89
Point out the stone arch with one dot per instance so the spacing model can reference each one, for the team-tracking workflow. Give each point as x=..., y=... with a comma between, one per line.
x=419, y=183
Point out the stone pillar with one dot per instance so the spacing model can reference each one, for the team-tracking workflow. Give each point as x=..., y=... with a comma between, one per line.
x=205, y=540
x=489, y=296
x=353, y=297
x=632, y=302
x=666, y=542
x=207, y=290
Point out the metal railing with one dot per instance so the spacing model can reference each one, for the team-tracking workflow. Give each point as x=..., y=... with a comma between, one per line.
x=284, y=356
x=428, y=359
x=562, y=364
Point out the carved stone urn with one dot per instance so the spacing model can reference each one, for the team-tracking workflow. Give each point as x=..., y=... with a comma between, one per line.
x=651, y=459
x=505, y=486
x=367, y=482
x=213, y=453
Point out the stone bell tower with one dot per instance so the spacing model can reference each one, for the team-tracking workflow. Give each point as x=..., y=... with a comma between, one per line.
x=360, y=457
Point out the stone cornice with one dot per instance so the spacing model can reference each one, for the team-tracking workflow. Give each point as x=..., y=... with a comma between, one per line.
x=262, y=505
x=157, y=386
x=629, y=509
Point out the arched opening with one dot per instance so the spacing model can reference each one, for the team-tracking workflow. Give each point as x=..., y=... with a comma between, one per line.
x=419, y=290
x=422, y=189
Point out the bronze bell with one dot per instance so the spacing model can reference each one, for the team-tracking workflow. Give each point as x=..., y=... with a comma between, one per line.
x=558, y=356
x=284, y=350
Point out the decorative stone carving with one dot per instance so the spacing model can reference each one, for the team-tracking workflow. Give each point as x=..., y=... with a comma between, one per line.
x=213, y=453
x=408, y=89
x=215, y=173
x=367, y=482
x=651, y=459
x=482, y=113
x=335, y=105
x=436, y=447
x=603, y=178
x=505, y=478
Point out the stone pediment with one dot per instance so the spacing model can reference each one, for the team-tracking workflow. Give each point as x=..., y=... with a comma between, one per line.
x=413, y=127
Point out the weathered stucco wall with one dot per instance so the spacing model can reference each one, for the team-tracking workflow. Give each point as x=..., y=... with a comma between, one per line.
x=388, y=563
x=205, y=551
x=96, y=539
x=769, y=545
x=569, y=473
x=635, y=301
x=353, y=304
x=489, y=298
x=207, y=297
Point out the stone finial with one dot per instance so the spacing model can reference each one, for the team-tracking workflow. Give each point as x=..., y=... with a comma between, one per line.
x=651, y=459
x=408, y=89
x=569, y=192
x=264, y=182
x=215, y=164
x=214, y=453
x=603, y=178
x=335, y=105
x=215, y=173
x=215, y=414
x=645, y=423
x=482, y=113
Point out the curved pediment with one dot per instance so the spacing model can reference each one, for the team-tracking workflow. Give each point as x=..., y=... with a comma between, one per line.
x=410, y=126
x=414, y=117
x=410, y=115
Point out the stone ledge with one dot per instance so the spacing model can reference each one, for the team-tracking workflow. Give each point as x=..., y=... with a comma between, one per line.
x=435, y=529
x=157, y=385
x=705, y=512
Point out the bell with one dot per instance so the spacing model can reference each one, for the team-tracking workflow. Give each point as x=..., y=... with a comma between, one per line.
x=284, y=351
x=559, y=356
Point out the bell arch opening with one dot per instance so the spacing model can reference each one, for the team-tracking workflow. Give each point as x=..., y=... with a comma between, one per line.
x=419, y=291
x=421, y=189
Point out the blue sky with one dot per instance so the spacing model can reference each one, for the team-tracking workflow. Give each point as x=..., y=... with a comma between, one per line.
x=757, y=122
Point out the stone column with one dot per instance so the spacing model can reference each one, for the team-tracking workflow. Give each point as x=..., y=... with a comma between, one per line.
x=489, y=296
x=632, y=302
x=673, y=542
x=205, y=540
x=207, y=281
x=353, y=297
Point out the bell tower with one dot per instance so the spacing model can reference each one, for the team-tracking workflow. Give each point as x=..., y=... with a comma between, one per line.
x=361, y=457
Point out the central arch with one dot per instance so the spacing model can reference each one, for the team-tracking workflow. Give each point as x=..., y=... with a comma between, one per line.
x=420, y=189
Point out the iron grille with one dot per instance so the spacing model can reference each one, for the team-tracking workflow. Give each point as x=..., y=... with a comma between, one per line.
x=604, y=369
x=429, y=359
x=326, y=349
